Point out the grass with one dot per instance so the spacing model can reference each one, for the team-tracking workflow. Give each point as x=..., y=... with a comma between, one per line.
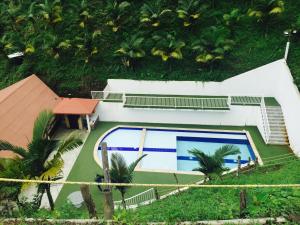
x=85, y=167
x=213, y=204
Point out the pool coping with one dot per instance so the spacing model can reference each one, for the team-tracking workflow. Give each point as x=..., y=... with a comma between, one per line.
x=252, y=144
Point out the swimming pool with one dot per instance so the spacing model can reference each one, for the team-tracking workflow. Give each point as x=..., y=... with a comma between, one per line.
x=167, y=148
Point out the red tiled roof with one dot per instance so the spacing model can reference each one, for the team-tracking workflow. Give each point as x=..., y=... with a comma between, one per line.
x=20, y=104
x=76, y=106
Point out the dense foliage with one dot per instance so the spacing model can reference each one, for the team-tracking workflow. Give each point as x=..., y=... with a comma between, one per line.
x=76, y=45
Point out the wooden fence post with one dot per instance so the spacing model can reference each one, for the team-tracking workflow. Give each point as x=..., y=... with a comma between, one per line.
x=156, y=193
x=108, y=198
x=87, y=197
x=239, y=165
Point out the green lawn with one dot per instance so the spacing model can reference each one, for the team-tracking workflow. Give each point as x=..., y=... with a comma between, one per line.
x=216, y=204
x=85, y=167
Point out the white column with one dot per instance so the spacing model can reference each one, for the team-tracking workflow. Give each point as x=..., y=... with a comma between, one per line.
x=287, y=47
x=88, y=123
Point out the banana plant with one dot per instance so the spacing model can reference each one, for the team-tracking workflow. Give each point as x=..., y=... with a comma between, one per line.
x=131, y=50
x=167, y=47
x=153, y=14
x=212, y=46
x=190, y=11
x=51, y=11
x=232, y=18
x=85, y=15
x=116, y=14
x=264, y=10
x=10, y=42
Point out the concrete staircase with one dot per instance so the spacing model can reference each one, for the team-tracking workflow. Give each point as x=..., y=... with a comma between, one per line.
x=278, y=131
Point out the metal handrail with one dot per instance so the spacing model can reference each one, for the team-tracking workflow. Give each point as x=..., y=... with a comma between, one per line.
x=265, y=120
x=102, y=95
x=148, y=195
x=175, y=104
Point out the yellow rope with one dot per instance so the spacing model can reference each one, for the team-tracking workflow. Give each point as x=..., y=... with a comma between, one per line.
x=154, y=185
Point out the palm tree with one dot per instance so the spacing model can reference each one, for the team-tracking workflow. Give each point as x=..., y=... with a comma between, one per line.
x=212, y=46
x=116, y=14
x=213, y=164
x=10, y=168
x=130, y=50
x=167, y=47
x=43, y=157
x=190, y=11
x=121, y=173
x=266, y=11
x=51, y=11
x=154, y=14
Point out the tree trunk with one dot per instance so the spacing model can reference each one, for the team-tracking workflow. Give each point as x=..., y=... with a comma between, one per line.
x=108, y=206
x=50, y=199
x=123, y=200
x=85, y=191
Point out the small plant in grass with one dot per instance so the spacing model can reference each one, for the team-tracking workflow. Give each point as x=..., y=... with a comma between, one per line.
x=213, y=164
x=121, y=173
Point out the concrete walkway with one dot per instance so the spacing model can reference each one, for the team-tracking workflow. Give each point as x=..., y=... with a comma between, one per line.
x=69, y=160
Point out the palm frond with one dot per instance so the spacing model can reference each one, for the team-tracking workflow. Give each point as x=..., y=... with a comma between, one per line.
x=5, y=145
x=69, y=143
x=41, y=124
x=226, y=150
x=134, y=164
x=119, y=171
x=54, y=168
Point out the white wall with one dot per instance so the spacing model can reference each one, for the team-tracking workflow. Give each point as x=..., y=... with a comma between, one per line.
x=273, y=79
x=237, y=116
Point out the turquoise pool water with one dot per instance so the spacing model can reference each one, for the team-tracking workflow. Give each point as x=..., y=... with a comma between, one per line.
x=186, y=162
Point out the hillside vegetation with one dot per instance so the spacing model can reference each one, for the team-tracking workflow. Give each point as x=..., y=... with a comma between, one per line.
x=214, y=204
x=76, y=45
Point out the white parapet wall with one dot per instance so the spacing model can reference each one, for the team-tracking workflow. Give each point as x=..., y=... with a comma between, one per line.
x=237, y=116
x=273, y=79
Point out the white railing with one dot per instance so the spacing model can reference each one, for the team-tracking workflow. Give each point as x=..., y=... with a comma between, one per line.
x=107, y=95
x=166, y=101
x=229, y=101
x=175, y=102
x=142, y=198
x=265, y=119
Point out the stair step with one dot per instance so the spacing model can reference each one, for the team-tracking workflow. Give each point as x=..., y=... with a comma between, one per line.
x=278, y=143
x=275, y=116
x=275, y=120
x=276, y=134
